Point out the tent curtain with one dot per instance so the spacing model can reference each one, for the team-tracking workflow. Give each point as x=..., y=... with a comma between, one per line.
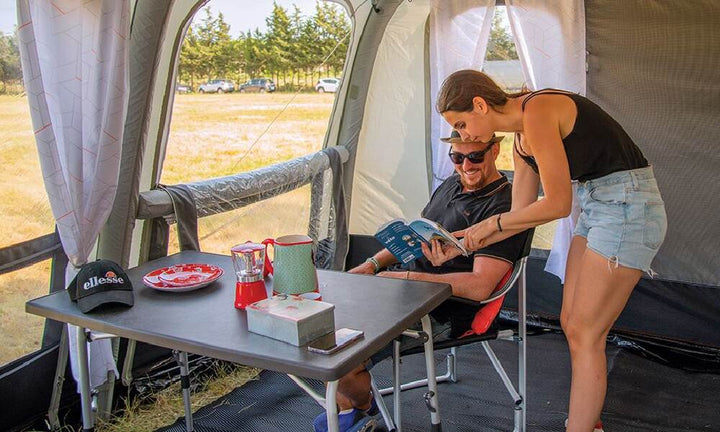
x=74, y=57
x=459, y=35
x=550, y=41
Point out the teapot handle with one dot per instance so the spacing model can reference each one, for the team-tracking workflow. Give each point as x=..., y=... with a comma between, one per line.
x=268, y=268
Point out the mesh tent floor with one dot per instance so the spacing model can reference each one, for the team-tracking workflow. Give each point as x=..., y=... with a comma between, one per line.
x=643, y=395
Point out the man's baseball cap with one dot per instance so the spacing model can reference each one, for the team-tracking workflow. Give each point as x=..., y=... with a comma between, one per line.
x=456, y=138
x=98, y=283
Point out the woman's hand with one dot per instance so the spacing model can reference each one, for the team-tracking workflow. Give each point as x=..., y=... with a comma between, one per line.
x=476, y=236
x=437, y=253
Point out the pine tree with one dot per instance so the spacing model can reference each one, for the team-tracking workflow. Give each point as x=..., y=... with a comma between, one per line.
x=10, y=70
x=278, y=39
x=501, y=45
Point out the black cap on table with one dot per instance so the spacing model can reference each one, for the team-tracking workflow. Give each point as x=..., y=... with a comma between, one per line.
x=99, y=283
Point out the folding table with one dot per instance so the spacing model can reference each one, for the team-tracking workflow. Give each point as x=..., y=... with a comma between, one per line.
x=206, y=322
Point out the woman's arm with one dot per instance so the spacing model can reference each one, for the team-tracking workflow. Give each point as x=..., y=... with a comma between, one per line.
x=524, y=192
x=541, y=128
x=525, y=183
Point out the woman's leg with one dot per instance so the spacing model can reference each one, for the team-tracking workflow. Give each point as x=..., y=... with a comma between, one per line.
x=598, y=291
x=572, y=269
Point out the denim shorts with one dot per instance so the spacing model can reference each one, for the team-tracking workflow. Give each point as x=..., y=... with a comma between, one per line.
x=623, y=217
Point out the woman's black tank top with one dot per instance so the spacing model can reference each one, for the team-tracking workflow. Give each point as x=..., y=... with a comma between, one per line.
x=597, y=144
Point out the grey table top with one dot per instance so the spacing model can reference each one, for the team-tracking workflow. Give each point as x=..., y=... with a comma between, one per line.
x=206, y=322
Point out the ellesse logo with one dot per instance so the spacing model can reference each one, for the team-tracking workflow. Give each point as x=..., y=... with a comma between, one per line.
x=110, y=278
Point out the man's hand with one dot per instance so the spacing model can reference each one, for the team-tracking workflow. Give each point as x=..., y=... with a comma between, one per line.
x=365, y=268
x=437, y=253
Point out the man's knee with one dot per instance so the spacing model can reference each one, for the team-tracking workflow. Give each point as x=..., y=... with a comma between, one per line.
x=355, y=386
x=354, y=374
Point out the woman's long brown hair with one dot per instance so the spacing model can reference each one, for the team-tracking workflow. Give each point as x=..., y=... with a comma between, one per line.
x=459, y=89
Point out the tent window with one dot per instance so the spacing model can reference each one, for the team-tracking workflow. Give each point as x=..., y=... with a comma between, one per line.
x=273, y=108
x=21, y=333
x=24, y=209
x=503, y=65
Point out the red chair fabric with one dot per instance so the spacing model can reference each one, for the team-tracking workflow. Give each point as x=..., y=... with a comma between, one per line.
x=486, y=315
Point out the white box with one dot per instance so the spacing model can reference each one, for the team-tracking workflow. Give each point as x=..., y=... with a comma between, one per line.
x=290, y=318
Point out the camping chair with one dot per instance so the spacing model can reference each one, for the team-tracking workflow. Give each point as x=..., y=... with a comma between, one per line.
x=482, y=331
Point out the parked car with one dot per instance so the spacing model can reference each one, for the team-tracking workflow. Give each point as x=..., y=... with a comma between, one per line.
x=329, y=85
x=182, y=88
x=217, y=86
x=260, y=85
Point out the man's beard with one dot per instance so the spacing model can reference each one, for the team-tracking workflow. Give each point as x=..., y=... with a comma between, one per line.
x=471, y=187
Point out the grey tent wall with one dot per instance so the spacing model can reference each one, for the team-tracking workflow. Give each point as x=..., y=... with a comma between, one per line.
x=654, y=66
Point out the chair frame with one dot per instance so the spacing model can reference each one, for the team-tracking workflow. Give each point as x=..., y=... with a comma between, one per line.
x=518, y=394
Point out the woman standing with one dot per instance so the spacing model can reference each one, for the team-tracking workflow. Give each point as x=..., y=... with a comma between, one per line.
x=561, y=137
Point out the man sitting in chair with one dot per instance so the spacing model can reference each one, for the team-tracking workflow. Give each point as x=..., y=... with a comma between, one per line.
x=476, y=191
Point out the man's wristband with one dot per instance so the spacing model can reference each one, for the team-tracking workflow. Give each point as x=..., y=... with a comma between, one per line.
x=375, y=263
x=499, y=227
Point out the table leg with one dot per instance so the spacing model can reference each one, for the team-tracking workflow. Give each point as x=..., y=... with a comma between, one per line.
x=84, y=380
x=397, y=386
x=331, y=405
x=431, y=397
x=181, y=358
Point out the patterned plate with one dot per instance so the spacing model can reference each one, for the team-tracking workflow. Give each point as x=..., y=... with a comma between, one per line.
x=182, y=277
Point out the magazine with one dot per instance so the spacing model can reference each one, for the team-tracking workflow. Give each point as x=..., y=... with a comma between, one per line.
x=403, y=239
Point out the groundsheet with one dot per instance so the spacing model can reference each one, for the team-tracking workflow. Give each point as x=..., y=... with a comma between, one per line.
x=643, y=395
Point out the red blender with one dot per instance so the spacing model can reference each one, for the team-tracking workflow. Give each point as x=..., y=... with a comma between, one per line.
x=248, y=261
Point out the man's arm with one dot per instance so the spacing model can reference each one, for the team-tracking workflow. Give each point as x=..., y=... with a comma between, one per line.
x=476, y=285
x=384, y=258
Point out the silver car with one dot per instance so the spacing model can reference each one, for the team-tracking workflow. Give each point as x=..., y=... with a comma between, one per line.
x=329, y=85
x=217, y=86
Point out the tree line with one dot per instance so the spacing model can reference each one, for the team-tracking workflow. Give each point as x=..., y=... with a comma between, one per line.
x=10, y=70
x=294, y=50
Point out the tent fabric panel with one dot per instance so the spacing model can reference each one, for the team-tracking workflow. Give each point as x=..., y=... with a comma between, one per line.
x=653, y=65
x=656, y=309
x=26, y=387
x=146, y=35
x=391, y=166
x=459, y=36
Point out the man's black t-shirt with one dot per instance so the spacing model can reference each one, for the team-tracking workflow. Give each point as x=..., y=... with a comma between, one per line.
x=456, y=210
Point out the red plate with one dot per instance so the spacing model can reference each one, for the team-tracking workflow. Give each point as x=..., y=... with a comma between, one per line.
x=182, y=277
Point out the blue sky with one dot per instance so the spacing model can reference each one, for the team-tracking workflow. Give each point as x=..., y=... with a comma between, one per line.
x=240, y=14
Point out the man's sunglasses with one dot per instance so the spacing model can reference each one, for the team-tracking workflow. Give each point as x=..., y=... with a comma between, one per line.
x=475, y=157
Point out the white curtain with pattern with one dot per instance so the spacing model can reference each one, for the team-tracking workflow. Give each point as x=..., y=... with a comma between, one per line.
x=550, y=40
x=459, y=35
x=74, y=57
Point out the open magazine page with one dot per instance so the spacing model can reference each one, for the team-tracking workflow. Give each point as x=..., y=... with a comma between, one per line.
x=428, y=230
x=400, y=240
